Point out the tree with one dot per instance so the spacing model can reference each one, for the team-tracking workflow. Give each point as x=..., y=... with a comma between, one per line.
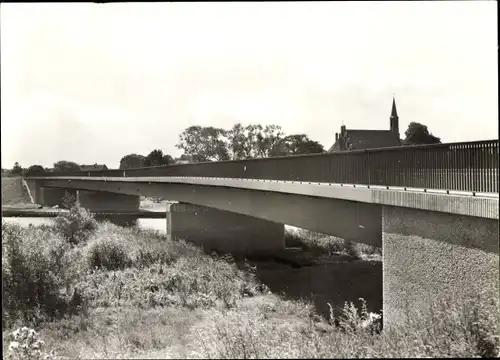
x=35, y=169
x=168, y=160
x=155, y=158
x=17, y=170
x=253, y=141
x=187, y=159
x=207, y=143
x=132, y=161
x=297, y=145
x=66, y=166
x=419, y=134
x=267, y=140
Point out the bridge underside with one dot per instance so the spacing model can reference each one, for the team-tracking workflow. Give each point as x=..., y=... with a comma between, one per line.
x=224, y=231
x=95, y=201
x=358, y=222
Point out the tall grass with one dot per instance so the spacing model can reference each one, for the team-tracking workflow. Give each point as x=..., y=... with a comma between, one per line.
x=282, y=329
x=321, y=244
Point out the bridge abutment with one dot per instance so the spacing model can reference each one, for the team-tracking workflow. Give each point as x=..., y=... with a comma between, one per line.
x=428, y=256
x=224, y=231
x=48, y=196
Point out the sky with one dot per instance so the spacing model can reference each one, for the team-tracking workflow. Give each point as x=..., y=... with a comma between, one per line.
x=91, y=83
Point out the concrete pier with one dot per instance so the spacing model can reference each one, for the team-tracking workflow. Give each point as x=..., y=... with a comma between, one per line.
x=428, y=255
x=224, y=231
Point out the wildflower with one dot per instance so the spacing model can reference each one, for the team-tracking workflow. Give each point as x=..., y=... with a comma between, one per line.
x=13, y=345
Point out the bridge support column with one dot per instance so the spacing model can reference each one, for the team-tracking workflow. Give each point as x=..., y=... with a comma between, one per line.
x=101, y=201
x=428, y=255
x=224, y=231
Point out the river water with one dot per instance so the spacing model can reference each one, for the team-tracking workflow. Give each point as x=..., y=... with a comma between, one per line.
x=333, y=282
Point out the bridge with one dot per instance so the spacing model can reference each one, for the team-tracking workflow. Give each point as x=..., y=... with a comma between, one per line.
x=433, y=209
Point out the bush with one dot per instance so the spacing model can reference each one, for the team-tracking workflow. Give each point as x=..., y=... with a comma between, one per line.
x=33, y=263
x=107, y=253
x=76, y=225
x=321, y=244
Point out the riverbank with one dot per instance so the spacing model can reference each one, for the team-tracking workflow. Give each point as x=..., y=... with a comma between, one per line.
x=15, y=193
x=115, y=292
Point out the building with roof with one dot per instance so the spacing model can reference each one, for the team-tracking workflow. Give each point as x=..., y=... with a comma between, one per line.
x=94, y=167
x=352, y=139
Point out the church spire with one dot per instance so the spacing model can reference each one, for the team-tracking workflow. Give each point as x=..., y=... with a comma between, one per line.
x=394, y=119
x=394, y=113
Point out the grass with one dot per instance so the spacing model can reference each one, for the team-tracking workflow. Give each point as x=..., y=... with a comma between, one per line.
x=321, y=244
x=14, y=192
x=129, y=293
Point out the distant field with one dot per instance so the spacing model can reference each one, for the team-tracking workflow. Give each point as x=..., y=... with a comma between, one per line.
x=14, y=193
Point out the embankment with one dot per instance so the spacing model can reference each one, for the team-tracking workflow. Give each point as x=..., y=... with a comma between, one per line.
x=15, y=193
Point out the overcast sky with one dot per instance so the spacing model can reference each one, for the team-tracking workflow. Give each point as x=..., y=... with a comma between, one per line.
x=91, y=83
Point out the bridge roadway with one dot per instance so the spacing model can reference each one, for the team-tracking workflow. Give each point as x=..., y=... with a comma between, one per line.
x=457, y=202
x=435, y=242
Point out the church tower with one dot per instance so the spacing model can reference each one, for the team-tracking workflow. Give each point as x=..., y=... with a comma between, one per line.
x=394, y=119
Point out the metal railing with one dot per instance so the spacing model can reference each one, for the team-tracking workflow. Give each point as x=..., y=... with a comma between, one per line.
x=464, y=166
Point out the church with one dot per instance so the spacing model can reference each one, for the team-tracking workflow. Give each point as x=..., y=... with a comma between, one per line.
x=350, y=139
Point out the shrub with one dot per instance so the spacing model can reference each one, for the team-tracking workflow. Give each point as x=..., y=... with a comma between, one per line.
x=33, y=262
x=320, y=244
x=76, y=225
x=108, y=253
x=351, y=249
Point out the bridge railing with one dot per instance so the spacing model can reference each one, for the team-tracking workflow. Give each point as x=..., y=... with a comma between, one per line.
x=465, y=166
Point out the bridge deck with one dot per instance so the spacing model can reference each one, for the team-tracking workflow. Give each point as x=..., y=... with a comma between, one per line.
x=466, y=203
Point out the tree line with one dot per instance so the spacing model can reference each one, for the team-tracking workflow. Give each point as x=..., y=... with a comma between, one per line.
x=208, y=143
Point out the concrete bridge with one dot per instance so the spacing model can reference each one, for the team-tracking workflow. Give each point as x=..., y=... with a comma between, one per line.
x=433, y=209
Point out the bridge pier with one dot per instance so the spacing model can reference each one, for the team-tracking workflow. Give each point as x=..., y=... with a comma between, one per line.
x=428, y=255
x=224, y=231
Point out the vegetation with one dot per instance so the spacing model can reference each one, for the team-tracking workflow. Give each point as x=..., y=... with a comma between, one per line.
x=417, y=134
x=132, y=161
x=299, y=144
x=157, y=158
x=66, y=166
x=321, y=244
x=125, y=292
x=243, y=142
x=201, y=144
x=17, y=170
x=34, y=170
